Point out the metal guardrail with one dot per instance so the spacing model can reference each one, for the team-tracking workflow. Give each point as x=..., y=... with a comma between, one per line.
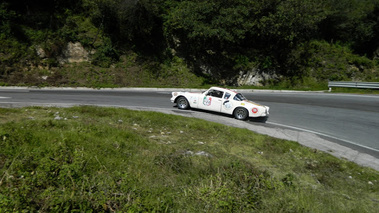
x=348, y=84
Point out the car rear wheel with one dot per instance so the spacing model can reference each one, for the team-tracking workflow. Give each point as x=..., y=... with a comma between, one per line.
x=240, y=113
x=182, y=103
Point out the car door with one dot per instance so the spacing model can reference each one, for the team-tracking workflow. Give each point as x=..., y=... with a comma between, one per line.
x=227, y=103
x=211, y=100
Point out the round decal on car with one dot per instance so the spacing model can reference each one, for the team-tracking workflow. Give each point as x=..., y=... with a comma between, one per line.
x=207, y=101
x=254, y=110
x=227, y=105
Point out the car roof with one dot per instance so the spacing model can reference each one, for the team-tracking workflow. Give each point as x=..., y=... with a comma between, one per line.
x=224, y=89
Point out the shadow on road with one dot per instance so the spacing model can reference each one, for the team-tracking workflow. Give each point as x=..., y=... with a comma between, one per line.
x=257, y=120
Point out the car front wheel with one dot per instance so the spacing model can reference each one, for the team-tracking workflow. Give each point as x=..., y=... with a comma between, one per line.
x=240, y=113
x=182, y=103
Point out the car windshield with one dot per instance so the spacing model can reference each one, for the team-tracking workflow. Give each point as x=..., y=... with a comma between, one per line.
x=239, y=97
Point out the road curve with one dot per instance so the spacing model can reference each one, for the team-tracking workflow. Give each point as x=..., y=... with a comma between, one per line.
x=350, y=118
x=336, y=121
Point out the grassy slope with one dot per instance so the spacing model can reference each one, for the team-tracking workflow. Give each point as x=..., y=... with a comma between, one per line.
x=105, y=159
x=126, y=73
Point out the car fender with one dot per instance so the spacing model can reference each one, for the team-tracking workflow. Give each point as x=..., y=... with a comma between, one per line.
x=235, y=108
x=254, y=109
x=192, y=98
x=258, y=111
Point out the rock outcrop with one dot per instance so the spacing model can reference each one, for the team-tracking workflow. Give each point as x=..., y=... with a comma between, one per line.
x=254, y=77
x=73, y=52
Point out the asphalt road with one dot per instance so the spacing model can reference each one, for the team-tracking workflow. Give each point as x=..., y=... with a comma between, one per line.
x=349, y=120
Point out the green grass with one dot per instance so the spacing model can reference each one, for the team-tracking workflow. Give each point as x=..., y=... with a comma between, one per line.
x=354, y=90
x=125, y=73
x=92, y=159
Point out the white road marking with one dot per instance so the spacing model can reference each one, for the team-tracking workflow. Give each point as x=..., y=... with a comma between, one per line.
x=322, y=134
x=3, y=97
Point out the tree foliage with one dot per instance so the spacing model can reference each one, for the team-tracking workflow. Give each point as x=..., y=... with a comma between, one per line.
x=218, y=37
x=257, y=30
x=354, y=22
x=131, y=24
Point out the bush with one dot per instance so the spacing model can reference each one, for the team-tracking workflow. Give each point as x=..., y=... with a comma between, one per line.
x=335, y=62
x=105, y=56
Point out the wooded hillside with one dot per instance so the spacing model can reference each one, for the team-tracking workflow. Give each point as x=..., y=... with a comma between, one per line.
x=298, y=41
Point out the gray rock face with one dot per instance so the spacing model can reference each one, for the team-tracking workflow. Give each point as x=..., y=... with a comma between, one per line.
x=74, y=52
x=40, y=52
x=376, y=54
x=254, y=77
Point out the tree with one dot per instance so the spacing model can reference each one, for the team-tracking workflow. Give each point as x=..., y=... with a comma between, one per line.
x=220, y=33
x=366, y=33
x=353, y=22
x=132, y=24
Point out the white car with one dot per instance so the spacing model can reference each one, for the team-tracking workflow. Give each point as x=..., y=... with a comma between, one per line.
x=221, y=100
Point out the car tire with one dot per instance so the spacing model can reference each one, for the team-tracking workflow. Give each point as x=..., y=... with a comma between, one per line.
x=241, y=113
x=182, y=103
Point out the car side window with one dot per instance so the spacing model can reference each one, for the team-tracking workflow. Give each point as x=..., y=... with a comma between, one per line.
x=215, y=93
x=227, y=95
x=239, y=97
x=209, y=93
x=218, y=94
